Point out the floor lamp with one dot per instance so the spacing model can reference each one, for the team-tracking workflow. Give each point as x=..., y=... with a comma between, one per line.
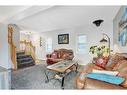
x=103, y=40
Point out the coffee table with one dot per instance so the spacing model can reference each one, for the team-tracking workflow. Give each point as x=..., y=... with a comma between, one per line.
x=62, y=69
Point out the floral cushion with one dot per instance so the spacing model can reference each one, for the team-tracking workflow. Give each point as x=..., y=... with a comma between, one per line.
x=54, y=55
x=101, y=62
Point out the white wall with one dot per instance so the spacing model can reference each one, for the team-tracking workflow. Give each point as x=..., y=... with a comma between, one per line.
x=4, y=46
x=5, y=61
x=93, y=33
x=116, y=29
x=23, y=36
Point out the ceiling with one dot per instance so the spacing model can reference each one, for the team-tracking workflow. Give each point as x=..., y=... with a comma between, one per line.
x=9, y=11
x=48, y=18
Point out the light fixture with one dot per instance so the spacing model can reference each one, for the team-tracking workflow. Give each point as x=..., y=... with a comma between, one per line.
x=98, y=22
x=104, y=40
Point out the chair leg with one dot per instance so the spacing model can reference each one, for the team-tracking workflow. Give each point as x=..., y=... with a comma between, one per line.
x=76, y=68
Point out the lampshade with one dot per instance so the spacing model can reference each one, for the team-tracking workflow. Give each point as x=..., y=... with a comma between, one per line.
x=103, y=40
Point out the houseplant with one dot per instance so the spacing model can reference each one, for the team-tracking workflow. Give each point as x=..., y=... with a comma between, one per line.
x=99, y=50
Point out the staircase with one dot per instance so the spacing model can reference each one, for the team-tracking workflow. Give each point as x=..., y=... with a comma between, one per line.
x=24, y=60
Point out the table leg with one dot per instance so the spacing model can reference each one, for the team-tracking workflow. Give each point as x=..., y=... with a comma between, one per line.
x=47, y=79
x=76, y=67
x=62, y=85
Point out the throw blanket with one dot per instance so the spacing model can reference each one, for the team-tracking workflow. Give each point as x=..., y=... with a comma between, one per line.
x=106, y=78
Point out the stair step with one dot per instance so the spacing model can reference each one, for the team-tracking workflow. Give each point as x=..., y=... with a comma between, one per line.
x=22, y=56
x=24, y=59
x=25, y=65
x=20, y=53
x=26, y=62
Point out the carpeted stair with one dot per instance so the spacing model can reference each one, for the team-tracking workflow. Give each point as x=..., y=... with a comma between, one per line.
x=24, y=60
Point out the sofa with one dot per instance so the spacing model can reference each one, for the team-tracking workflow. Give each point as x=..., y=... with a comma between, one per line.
x=117, y=62
x=59, y=55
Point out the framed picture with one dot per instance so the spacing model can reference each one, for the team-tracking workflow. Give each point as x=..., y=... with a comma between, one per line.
x=63, y=39
x=123, y=29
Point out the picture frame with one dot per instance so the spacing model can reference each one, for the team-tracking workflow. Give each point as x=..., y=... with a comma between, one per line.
x=122, y=34
x=63, y=39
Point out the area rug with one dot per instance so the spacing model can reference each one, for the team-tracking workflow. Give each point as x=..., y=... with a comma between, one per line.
x=34, y=78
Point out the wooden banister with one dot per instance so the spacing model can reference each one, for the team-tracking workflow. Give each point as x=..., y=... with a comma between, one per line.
x=12, y=46
x=28, y=48
x=13, y=55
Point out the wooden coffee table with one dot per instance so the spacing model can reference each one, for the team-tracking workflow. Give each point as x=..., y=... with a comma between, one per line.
x=62, y=69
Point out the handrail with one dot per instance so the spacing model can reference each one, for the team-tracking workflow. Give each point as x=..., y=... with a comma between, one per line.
x=13, y=55
x=28, y=48
x=12, y=46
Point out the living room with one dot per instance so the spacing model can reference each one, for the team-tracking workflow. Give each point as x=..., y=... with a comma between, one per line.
x=73, y=30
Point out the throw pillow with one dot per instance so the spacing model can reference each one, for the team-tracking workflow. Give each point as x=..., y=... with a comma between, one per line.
x=102, y=62
x=54, y=55
x=65, y=56
x=98, y=68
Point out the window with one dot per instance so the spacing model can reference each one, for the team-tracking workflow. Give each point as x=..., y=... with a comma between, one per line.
x=49, y=45
x=81, y=44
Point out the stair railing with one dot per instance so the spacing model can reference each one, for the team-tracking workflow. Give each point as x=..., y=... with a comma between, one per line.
x=13, y=55
x=12, y=46
x=28, y=48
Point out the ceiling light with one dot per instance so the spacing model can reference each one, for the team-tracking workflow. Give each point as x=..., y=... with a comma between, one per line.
x=98, y=22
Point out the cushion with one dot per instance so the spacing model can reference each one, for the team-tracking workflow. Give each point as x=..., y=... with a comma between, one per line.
x=107, y=78
x=124, y=70
x=98, y=68
x=101, y=62
x=109, y=62
x=124, y=75
x=124, y=54
x=124, y=84
x=65, y=56
x=120, y=65
x=54, y=55
x=114, y=73
x=115, y=59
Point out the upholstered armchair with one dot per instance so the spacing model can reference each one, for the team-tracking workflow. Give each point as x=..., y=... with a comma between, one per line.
x=59, y=55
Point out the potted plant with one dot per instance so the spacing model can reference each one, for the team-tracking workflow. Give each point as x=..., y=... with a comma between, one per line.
x=99, y=50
